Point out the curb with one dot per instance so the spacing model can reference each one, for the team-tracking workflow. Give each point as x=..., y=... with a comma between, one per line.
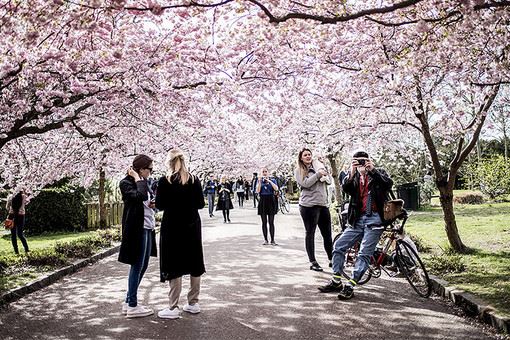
x=472, y=305
x=17, y=293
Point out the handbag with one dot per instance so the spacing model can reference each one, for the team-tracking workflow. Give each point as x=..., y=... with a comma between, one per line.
x=393, y=208
x=9, y=223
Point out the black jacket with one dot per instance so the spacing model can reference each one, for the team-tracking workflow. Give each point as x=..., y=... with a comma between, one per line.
x=379, y=185
x=133, y=195
x=180, y=243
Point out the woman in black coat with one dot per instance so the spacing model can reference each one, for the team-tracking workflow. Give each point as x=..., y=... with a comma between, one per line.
x=138, y=236
x=225, y=199
x=180, y=196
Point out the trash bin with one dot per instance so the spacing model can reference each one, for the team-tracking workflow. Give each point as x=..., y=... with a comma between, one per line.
x=410, y=193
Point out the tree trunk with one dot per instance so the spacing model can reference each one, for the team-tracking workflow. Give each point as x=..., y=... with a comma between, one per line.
x=336, y=181
x=102, y=196
x=446, y=198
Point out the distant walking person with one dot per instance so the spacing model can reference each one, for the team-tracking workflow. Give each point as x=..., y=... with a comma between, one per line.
x=138, y=235
x=254, y=189
x=268, y=206
x=313, y=178
x=180, y=196
x=341, y=177
x=247, y=189
x=16, y=209
x=240, y=191
x=210, y=191
x=225, y=199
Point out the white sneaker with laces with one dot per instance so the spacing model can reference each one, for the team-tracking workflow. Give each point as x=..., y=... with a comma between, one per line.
x=124, y=308
x=168, y=313
x=138, y=311
x=193, y=309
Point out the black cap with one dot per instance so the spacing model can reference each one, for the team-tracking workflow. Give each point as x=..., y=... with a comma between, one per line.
x=360, y=154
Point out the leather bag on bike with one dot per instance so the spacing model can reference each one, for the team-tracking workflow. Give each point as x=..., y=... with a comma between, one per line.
x=393, y=207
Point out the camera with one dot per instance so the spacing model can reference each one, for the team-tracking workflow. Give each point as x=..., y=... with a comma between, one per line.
x=361, y=161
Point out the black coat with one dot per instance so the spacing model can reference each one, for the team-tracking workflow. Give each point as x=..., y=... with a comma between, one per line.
x=181, y=235
x=224, y=197
x=379, y=185
x=133, y=195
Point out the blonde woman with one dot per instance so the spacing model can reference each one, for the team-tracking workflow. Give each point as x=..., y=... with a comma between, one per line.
x=180, y=196
x=313, y=178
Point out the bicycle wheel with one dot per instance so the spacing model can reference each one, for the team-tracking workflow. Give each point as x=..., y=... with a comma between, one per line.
x=350, y=261
x=410, y=264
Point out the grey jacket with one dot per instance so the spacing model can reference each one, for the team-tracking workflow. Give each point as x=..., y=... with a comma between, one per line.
x=313, y=191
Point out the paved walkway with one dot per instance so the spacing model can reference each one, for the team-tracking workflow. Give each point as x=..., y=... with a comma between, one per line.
x=250, y=291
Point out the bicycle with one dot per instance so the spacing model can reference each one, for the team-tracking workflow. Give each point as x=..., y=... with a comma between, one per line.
x=406, y=260
x=283, y=202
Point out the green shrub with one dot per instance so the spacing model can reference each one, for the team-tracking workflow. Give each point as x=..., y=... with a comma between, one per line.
x=491, y=176
x=45, y=257
x=469, y=198
x=446, y=263
x=81, y=248
x=59, y=208
x=420, y=244
x=7, y=261
x=111, y=234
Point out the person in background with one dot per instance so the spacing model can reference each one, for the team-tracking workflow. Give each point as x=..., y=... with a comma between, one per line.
x=341, y=177
x=254, y=189
x=138, y=236
x=266, y=188
x=247, y=190
x=180, y=197
x=225, y=199
x=239, y=185
x=210, y=191
x=16, y=209
x=313, y=178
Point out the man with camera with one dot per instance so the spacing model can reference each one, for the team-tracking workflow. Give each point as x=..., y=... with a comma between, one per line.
x=368, y=188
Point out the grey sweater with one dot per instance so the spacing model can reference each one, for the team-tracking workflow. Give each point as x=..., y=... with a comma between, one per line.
x=313, y=191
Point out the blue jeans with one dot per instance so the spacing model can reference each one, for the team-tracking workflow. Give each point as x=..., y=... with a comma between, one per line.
x=366, y=229
x=138, y=269
x=19, y=223
x=210, y=203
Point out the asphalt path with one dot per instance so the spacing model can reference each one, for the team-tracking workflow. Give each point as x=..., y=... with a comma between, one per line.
x=250, y=291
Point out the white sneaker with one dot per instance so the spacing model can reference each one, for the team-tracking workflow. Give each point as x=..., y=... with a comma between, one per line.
x=168, y=313
x=124, y=308
x=193, y=309
x=138, y=311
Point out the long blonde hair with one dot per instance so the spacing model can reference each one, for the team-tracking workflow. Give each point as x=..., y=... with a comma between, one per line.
x=303, y=169
x=176, y=165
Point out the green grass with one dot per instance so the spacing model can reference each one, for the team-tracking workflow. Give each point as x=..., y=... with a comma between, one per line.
x=39, y=242
x=485, y=230
x=20, y=276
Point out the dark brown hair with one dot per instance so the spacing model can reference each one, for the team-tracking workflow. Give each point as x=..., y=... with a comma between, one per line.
x=141, y=162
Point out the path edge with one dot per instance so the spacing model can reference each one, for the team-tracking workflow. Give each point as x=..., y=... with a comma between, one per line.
x=472, y=305
x=46, y=280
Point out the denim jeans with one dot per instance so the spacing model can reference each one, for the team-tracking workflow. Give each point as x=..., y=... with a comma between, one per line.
x=366, y=229
x=138, y=269
x=210, y=203
x=17, y=231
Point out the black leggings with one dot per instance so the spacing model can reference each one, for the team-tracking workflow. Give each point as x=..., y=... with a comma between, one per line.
x=19, y=223
x=240, y=197
x=313, y=216
x=265, y=219
x=226, y=214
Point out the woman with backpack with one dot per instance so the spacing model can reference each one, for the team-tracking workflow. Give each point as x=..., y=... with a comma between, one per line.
x=16, y=208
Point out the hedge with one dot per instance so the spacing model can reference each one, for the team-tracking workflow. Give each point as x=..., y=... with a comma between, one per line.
x=57, y=209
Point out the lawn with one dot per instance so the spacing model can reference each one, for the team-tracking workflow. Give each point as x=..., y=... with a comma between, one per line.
x=21, y=276
x=485, y=229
